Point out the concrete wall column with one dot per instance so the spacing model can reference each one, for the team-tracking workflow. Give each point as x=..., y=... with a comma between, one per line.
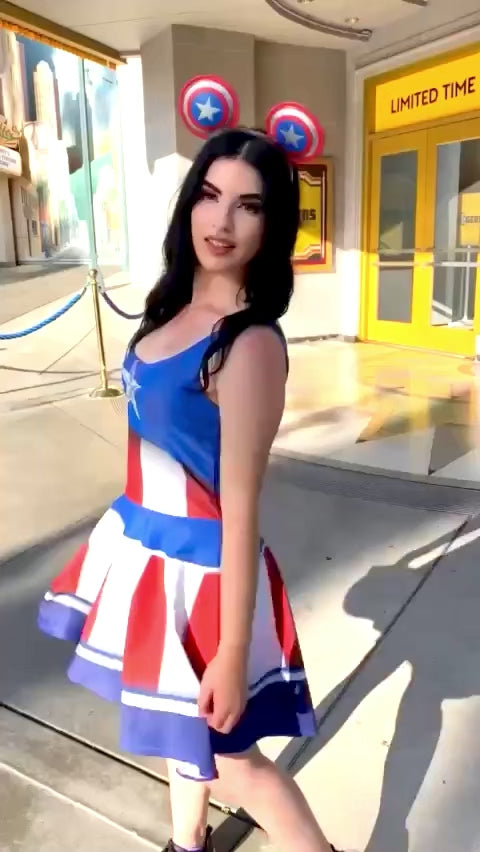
x=159, y=149
x=7, y=245
x=317, y=78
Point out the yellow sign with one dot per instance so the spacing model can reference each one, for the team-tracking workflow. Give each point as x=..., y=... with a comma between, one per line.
x=9, y=136
x=438, y=92
x=313, y=249
x=10, y=162
x=470, y=219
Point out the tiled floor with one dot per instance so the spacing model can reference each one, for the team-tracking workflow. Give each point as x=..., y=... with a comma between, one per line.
x=386, y=409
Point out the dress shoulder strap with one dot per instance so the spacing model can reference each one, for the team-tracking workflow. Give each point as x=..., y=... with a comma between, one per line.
x=275, y=326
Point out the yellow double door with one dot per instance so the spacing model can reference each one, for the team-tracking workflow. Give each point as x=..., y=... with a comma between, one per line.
x=423, y=239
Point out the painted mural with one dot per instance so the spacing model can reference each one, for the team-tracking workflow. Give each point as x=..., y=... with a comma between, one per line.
x=40, y=117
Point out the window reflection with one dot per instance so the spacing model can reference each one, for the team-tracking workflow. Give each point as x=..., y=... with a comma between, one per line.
x=457, y=233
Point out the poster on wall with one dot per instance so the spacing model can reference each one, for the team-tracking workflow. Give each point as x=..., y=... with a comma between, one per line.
x=313, y=249
x=40, y=120
x=469, y=236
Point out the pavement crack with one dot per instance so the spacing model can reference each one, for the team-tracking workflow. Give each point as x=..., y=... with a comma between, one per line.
x=68, y=351
x=89, y=428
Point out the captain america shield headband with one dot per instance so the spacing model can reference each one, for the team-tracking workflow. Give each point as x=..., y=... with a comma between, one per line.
x=207, y=104
x=296, y=129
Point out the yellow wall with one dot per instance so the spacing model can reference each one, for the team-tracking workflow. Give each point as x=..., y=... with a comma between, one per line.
x=440, y=90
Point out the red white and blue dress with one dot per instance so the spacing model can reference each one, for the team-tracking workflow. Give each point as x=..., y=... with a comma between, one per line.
x=141, y=598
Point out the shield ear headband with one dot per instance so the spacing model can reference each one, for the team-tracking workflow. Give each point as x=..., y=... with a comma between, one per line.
x=208, y=103
x=296, y=129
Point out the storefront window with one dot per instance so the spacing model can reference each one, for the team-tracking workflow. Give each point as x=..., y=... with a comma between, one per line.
x=46, y=211
x=105, y=162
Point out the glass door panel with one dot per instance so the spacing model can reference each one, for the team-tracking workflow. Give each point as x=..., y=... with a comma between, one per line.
x=423, y=249
x=453, y=202
x=396, y=235
x=457, y=233
x=394, y=259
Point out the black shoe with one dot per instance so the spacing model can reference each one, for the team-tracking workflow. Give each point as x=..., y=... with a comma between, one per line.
x=207, y=846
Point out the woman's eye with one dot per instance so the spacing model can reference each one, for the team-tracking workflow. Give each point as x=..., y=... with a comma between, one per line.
x=207, y=193
x=252, y=207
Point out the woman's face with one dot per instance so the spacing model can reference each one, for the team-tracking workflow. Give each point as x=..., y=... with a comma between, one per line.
x=228, y=220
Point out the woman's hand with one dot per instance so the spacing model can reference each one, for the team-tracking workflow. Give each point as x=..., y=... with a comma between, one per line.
x=223, y=690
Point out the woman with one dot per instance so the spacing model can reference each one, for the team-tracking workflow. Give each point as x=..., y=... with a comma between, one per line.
x=176, y=605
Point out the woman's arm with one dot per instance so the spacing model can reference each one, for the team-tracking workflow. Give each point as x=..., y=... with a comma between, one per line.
x=250, y=392
x=251, y=396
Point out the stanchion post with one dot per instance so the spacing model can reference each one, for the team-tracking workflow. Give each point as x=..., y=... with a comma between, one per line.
x=105, y=391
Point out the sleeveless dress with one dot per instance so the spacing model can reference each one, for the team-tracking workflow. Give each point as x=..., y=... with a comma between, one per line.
x=141, y=598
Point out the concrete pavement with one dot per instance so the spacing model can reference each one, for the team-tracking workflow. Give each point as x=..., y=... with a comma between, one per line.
x=25, y=288
x=384, y=582
x=59, y=793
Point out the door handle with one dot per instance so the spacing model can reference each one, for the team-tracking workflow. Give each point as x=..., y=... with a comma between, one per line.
x=399, y=252
x=401, y=264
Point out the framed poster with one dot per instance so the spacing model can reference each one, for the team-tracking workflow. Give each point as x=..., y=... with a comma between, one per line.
x=314, y=247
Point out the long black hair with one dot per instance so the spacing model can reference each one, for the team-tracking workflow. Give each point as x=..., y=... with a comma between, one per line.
x=268, y=283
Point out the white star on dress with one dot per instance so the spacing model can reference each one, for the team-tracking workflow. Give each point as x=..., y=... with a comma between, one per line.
x=207, y=110
x=131, y=387
x=291, y=138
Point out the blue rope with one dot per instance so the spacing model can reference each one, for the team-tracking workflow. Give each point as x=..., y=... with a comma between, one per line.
x=73, y=301
x=115, y=307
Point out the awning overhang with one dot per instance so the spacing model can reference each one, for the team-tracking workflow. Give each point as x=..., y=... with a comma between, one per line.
x=38, y=28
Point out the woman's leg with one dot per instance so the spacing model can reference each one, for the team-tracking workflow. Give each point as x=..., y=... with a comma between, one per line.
x=272, y=798
x=189, y=806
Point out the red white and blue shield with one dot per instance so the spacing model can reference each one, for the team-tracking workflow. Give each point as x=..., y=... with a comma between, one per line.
x=207, y=104
x=296, y=129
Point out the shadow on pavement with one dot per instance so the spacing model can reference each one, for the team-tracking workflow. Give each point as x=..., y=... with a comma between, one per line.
x=32, y=667
x=33, y=679
x=440, y=639
x=26, y=663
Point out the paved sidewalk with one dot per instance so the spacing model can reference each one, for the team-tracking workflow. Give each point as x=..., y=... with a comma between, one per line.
x=384, y=581
x=60, y=794
x=23, y=289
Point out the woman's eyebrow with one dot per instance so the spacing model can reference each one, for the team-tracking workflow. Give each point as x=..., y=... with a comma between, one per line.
x=211, y=186
x=245, y=196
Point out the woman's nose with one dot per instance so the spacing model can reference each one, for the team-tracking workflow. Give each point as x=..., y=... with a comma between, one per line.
x=224, y=217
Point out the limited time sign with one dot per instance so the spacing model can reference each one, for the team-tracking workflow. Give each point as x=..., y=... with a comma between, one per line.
x=437, y=92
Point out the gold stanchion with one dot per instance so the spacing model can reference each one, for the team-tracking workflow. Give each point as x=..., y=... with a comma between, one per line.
x=105, y=391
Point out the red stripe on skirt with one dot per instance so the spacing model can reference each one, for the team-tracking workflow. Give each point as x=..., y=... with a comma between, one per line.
x=284, y=622
x=134, y=487
x=203, y=630
x=145, y=640
x=67, y=581
x=201, y=503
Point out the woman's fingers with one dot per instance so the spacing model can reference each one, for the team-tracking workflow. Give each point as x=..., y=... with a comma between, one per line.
x=205, y=701
x=224, y=722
